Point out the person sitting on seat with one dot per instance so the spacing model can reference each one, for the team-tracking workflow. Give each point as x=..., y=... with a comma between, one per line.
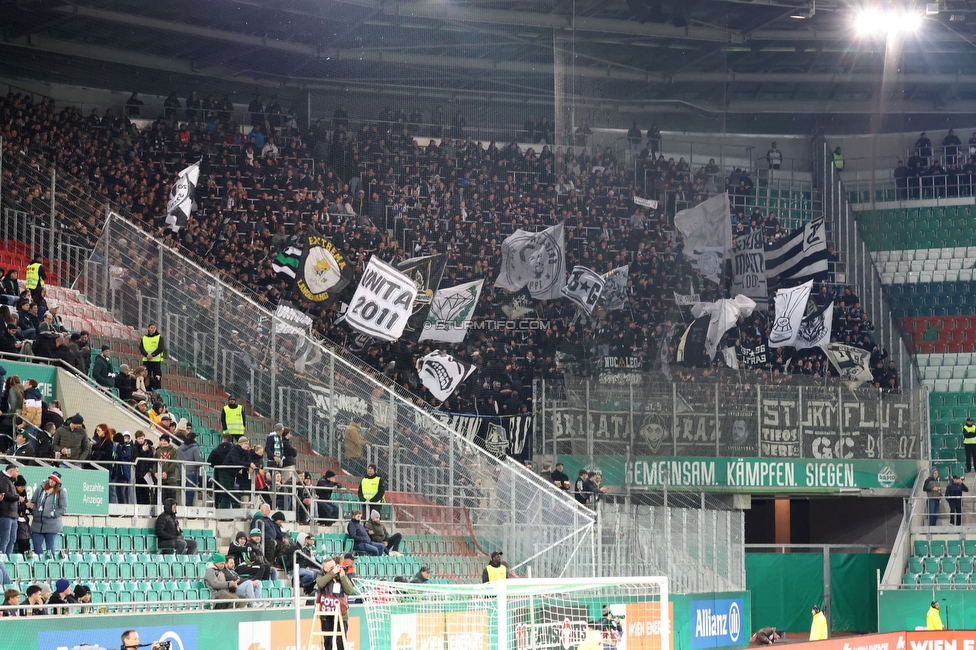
x=377, y=534
x=248, y=554
x=220, y=585
x=249, y=588
x=307, y=569
x=422, y=576
x=169, y=535
x=360, y=538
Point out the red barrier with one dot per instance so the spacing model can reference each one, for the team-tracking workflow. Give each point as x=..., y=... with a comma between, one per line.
x=914, y=640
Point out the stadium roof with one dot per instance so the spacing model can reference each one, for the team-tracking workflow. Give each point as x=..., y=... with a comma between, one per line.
x=729, y=57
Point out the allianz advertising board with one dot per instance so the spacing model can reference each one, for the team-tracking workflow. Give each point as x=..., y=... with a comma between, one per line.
x=716, y=623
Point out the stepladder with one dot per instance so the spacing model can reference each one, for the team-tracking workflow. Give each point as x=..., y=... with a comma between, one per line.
x=327, y=624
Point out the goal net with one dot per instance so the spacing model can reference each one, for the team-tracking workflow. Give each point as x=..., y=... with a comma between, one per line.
x=533, y=614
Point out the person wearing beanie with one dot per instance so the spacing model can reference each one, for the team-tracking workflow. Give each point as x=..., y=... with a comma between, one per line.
x=23, y=543
x=327, y=512
x=169, y=534
x=62, y=596
x=50, y=501
x=71, y=440
x=121, y=474
x=82, y=594
x=249, y=560
x=306, y=499
x=103, y=371
x=190, y=452
x=221, y=585
x=169, y=471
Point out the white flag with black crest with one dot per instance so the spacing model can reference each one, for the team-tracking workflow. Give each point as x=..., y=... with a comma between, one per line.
x=181, y=198
x=615, y=291
x=815, y=329
x=790, y=306
x=584, y=287
x=441, y=373
x=383, y=301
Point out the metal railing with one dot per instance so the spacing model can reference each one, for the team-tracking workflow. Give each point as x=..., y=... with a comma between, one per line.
x=860, y=268
x=951, y=188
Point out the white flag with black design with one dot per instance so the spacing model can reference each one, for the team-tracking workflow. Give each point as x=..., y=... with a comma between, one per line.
x=709, y=261
x=749, y=268
x=289, y=320
x=645, y=203
x=181, y=198
x=686, y=300
x=802, y=255
x=853, y=364
x=615, y=291
x=790, y=306
x=723, y=315
x=816, y=328
x=534, y=260
x=450, y=312
x=441, y=373
x=383, y=301
x=584, y=287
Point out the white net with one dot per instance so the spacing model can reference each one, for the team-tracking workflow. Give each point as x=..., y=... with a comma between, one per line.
x=624, y=614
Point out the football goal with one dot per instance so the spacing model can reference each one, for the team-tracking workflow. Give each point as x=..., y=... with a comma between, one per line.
x=514, y=614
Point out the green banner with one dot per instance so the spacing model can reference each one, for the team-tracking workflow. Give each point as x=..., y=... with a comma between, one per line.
x=784, y=587
x=46, y=376
x=87, y=489
x=854, y=592
x=749, y=475
x=905, y=609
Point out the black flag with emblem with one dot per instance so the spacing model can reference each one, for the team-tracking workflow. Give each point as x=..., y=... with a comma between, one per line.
x=426, y=274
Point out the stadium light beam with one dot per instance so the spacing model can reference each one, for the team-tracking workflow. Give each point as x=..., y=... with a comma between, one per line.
x=878, y=22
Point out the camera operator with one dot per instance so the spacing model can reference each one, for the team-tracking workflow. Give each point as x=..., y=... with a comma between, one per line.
x=130, y=641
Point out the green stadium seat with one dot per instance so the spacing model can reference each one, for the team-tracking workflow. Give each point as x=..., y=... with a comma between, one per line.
x=970, y=546
x=920, y=547
x=947, y=565
x=954, y=547
x=943, y=580
x=965, y=564
x=937, y=548
x=910, y=580
x=915, y=565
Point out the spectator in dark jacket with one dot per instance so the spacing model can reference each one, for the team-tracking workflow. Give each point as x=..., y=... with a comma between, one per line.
x=169, y=535
x=224, y=478
x=102, y=371
x=360, y=538
x=240, y=456
x=125, y=383
x=122, y=474
x=323, y=489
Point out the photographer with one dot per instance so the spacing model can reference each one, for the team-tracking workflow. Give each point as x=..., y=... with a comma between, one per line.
x=130, y=641
x=334, y=587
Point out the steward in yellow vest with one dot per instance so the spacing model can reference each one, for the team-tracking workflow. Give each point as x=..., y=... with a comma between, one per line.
x=35, y=277
x=372, y=489
x=232, y=418
x=969, y=444
x=153, y=350
x=495, y=570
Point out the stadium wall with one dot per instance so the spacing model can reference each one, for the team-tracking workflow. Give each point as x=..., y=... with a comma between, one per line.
x=250, y=629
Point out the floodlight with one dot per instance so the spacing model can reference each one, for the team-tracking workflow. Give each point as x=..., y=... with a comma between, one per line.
x=877, y=22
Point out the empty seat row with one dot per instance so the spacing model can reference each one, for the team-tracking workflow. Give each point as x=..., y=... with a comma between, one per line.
x=912, y=255
x=939, y=548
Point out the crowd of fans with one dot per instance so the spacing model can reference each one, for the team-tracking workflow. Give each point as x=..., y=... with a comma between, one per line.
x=265, y=184
x=942, y=171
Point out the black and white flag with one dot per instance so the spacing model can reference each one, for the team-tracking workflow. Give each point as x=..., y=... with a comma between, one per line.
x=749, y=268
x=534, y=260
x=707, y=232
x=723, y=315
x=686, y=300
x=615, y=291
x=584, y=287
x=790, y=307
x=800, y=256
x=426, y=274
x=441, y=373
x=520, y=305
x=290, y=321
x=853, y=364
x=323, y=270
x=295, y=327
x=181, y=198
x=519, y=430
x=691, y=347
x=450, y=312
x=815, y=329
x=645, y=203
x=383, y=301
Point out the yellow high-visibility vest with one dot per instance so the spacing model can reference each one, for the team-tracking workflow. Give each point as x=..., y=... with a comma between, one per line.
x=370, y=486
x=969, y=434
x=150, y=344
x=33, y=279
x=839, y=161
x=497, y=572
x=235, y=420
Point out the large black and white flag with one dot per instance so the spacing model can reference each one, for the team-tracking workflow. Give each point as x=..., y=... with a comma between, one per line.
x=441, y=373
x=853, y=364
x=519, y=430
x=584, y=287
x=450, y=313
x=534, y=260
x=290, y=321
x=815, y=329
x=707, y=231
x=790, y=305
x=519, y=306
x=323, y=270
x=749, y=268
x=181, y=198
x=615, y=291
x=802, y=255
x=723, y=315
x=426, y=274
x=691, y=346
x=383, y=301
x=295, y=327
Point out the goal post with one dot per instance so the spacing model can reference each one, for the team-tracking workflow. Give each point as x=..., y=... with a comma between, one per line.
x=519, y=614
